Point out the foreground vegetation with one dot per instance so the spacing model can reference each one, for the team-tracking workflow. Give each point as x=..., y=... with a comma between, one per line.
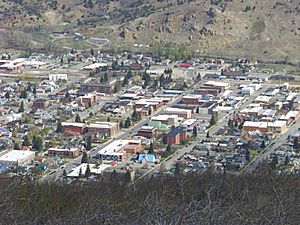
x=193, y=199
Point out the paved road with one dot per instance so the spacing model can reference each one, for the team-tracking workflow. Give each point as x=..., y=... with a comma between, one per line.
x=279, y=141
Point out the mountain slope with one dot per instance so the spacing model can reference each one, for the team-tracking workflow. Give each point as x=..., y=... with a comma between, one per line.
x=262, y=29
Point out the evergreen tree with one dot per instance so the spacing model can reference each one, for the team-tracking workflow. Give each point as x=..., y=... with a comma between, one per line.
x=61, y=60
x=16, y=146
x=80, y=173
x=274, y=162
x=195, y=132
x=77, y=119
x=125, y=81
x=247, y=154
x=151, y=148
x=121, y=124
x=213, y=120
x=207, y=134
x=286, y=160
x=177, y=169
x=127, y=177
x=230, y=123
x=129, y=74
x=23, y=94
x=105, y=77
x=64, y=173
x=26, y=141
x=34, y=90
x=169, y=148
x=87, y=171
x=59, y=127
x=21, y=109
x=37, y=143
x=89, y=144
x=296, y=144
x=127, y=123
x=108, y=119
x=7, y=95
x=84, y=158
x=263, y=145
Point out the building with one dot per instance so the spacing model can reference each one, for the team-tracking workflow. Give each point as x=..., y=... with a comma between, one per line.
x=277, y=126
x=172, y=120
x=73, y=129
x=94, y=85
x=95, y=66
x=73, y=152
x=147, y=131
x=176, y=136
x=104, y=129
x=184, y=113
x=253, y=126
x=17, y=157
x=213, y=83
x=56, y=77
x=155, y=103
x=40, y=104
x=87, y=100
x=192, y=99
x=208, y=90
x=118, y=150
x=94, y=170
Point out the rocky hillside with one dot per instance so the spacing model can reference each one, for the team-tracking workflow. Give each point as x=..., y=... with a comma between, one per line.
x=262, y=29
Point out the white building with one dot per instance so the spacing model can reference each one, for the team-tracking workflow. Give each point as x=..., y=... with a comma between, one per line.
x=56, y=77
x=17, y=157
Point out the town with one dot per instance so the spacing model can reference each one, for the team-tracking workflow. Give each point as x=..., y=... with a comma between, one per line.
x=86, y=115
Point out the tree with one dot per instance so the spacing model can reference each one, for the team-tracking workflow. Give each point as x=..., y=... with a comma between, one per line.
x=213, y=120
x=230, y=123
x=64, y=173
x=84, y=158
x=125, y=81
x=127, y=177
x=87, y=171
x=195, y=132
x=151, y=149
x=59, y=127
x=23, y=94
x=177, y=169
x=127, y=122
x=296, y=144
x=89, y=144
x=37, y=143
x=263, y=145
x=77, y=119
x=274, y=162
x=105, y=77
x=80, y=173
x=169, y=148
x=26, y=141
x=21, y=109
x=121, y=124
x=198, y=78
x=7, y=95
x=34, y=90
x=16, y=146
x=247, y=154
x=62, y=60
x=108, y=119
x=287, y=160
x=207, y=134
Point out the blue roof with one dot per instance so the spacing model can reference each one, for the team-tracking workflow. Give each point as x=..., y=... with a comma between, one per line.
x=147, y=157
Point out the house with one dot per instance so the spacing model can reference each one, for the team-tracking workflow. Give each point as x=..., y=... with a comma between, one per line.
x=40, y=104
x=176, y=136
x=94, y=170
x=147, y=158
x=89, y=99
x=147, y=131
x=56, y=77
x=73, y=152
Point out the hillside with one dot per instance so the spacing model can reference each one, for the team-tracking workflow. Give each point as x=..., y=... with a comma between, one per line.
x=193, y=199
x=262, y=29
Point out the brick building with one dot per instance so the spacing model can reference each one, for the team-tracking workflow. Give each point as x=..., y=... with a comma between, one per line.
x=176, y=136
x=147, y=131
